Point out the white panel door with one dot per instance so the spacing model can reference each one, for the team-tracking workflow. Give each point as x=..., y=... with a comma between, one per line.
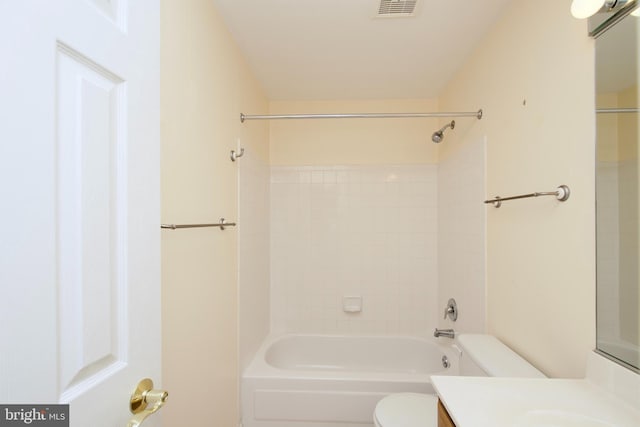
x=79, y=195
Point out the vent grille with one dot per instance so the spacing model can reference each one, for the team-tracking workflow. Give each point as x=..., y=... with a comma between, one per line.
x=391, y=8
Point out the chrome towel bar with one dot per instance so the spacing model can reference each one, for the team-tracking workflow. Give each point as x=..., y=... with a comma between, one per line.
x=222, y=224
x=562, y=193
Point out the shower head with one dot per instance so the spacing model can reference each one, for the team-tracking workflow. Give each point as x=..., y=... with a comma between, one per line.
x=439, y=134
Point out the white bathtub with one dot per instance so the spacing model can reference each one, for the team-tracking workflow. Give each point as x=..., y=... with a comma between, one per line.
x=335, y=381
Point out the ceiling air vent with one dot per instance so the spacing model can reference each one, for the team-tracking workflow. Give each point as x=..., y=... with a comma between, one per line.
x=396, y=8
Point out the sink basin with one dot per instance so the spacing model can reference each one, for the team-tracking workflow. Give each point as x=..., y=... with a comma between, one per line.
x=558, y=418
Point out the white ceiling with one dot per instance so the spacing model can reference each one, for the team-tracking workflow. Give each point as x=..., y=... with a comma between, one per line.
x=338, y=49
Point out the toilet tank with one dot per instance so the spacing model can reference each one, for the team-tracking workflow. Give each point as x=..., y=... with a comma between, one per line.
x=485, y=355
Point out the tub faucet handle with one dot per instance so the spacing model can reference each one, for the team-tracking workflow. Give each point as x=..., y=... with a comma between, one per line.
x=451, y=309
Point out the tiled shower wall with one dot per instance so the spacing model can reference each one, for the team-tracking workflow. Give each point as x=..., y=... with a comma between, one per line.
x=253, y=254
x=461, y=236
x=364, y=231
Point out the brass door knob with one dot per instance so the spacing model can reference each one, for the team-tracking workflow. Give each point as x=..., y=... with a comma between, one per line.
x=143, y=397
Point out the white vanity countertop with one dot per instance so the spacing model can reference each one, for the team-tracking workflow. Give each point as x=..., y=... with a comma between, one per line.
x=529, y=402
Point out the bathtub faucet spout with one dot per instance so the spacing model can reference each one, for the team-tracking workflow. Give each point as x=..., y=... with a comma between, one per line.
x=449, y=333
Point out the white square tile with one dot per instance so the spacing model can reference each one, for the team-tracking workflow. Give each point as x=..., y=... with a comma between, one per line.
x=317, y=177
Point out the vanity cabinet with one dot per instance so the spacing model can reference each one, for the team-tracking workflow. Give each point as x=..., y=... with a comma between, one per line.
x=444, y=420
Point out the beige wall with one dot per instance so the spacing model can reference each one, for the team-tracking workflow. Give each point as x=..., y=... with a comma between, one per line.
x=534, y=76
x=204, y=86
x=353, y=141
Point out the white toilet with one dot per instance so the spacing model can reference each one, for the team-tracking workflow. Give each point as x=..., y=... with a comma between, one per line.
x=482, y=355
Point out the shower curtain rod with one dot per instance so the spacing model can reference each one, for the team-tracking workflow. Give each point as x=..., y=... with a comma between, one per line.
x=243, y=117
x=616, y=110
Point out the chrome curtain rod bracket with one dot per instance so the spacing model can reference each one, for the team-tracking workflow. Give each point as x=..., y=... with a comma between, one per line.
x=222, y=224
x=234, y=156
x=562, y=193
x=477, y=114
